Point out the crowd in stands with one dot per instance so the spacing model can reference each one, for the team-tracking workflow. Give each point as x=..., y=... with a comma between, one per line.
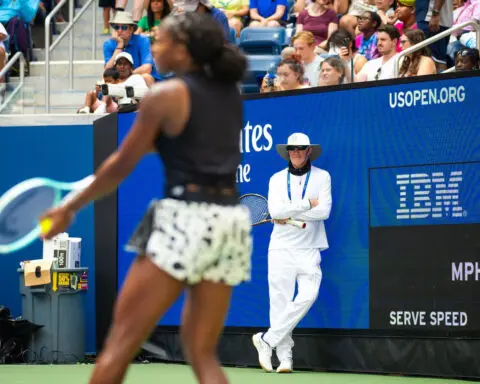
x=332, y=41
x=329, y=41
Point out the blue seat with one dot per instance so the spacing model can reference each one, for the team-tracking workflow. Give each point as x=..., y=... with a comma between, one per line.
x=262, y=41
x=258, y=66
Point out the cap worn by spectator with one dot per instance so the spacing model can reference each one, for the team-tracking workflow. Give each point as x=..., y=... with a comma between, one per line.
x=124, y=55
x=406, y=3
x=123, y=18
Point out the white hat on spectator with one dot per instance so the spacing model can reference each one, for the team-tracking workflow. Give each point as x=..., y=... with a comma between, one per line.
x=192, y=5
x=299, y=139
x=125, y=18
x=125, y=55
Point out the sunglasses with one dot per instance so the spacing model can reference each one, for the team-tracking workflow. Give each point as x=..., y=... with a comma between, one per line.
x=297, y=147
x=122, y=27
x=379, y=72
x=403, y=42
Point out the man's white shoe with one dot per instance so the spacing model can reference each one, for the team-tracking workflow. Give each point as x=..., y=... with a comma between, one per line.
x=286, y=366
x=264, y=352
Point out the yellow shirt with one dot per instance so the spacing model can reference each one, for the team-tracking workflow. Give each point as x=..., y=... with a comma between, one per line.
x=230, y=5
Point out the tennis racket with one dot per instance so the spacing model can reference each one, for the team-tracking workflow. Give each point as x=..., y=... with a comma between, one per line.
x=258, y=206
x=22, y=205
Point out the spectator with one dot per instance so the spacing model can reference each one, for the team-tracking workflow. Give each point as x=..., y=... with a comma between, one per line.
x=95, y=102
x=318, y=19
x=418, y=63
x=206, y=6
x=332, y=72
x=124, y=64
x=356, y=8
x=466, y=59
x=304, y=44
x=382, y=67
x=384, y=9
x=405, y=15
x=268, y=13
x=465, y=38
x=156, y=11
x=368, y=25
x=108, y=6
x=137, y=46
x=289, y=76
x=342, y=43
x=433, y=17
x=235, y=10
x=25, y=10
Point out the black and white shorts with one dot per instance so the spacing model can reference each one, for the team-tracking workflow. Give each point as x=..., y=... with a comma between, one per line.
x=194, y=241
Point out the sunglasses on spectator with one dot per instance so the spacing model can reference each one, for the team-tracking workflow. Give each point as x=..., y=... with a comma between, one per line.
x=378, y=73
x=297, y=147
x=122, y=27
x=403, y=42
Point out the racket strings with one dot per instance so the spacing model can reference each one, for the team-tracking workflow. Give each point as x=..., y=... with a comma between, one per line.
x=258, y=207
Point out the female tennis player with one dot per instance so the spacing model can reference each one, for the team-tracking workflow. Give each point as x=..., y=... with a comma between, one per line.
x=198, y=237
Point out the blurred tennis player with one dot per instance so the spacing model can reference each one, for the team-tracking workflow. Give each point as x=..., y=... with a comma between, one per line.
x=301, y=192
x=197, y=237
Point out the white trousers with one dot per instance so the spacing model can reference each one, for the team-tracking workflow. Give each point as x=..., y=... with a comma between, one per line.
x=287, y=267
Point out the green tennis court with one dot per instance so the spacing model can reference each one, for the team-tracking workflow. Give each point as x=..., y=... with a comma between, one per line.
x=181, y=374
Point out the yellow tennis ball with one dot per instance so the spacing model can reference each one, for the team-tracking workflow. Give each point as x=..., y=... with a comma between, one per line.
x=46, y=225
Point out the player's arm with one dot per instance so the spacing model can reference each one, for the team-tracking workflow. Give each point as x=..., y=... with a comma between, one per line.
x=154, y=115
x=322, y=210
x=277, y=206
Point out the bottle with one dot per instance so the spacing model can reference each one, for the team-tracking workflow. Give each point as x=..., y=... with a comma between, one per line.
x=271, y=76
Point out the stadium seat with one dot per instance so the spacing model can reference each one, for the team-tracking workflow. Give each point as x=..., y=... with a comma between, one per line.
x=258, y=65
x=262, y=41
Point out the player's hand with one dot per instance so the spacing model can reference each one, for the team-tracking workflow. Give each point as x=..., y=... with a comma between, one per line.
x=280, y=221
x=313, y=203
x=60, y=219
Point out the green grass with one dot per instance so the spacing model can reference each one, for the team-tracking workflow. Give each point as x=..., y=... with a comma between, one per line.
x=182, y=374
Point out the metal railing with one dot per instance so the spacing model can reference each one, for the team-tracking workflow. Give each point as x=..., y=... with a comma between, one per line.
x=69, y=29
x=17, y=57
x=472, y=23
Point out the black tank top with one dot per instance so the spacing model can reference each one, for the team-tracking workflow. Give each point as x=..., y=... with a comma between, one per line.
x=207, y=152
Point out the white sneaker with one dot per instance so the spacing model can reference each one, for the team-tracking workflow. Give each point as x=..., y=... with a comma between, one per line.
x=286, y=366
x=264, y=352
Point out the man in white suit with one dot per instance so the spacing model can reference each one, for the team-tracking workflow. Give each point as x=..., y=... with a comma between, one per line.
x=300, y=192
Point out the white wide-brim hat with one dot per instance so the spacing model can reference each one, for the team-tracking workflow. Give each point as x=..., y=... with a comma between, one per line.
x=299, y=139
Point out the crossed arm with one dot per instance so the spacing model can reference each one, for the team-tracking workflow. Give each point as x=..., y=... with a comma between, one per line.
x=307, y=209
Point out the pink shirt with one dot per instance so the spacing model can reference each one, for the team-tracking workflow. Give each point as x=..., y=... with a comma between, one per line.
x=399, y=26
x=469, y=11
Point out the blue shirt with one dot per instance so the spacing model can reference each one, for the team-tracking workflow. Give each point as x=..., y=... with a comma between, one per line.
x=222, y=19
x=138, y=46
x=24, y=9
x=267, y=8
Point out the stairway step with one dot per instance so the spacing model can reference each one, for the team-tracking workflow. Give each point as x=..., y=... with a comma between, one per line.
x=60, y=68
x=81, y=40
x=60, y=53
x=82, y=83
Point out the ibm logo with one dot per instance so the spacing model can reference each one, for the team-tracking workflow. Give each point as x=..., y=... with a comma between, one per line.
x=423, y=195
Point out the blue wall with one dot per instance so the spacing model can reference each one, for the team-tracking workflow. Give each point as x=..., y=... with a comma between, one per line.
x=63, y=153
x=359, y=129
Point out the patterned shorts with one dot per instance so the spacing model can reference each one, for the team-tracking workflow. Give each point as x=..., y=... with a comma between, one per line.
x=194, y=241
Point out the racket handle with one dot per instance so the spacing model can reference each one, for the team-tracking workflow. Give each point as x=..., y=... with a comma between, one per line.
x=297, y=223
